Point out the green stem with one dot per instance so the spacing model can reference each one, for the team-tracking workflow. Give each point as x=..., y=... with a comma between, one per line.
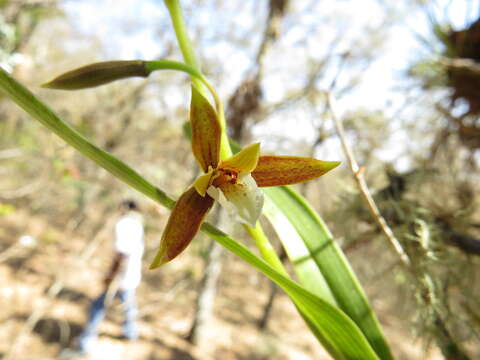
x=266, y=249
x=188, y=53
x=225, y=150
x=186, y=47
x=194, y=73
x=153, y=65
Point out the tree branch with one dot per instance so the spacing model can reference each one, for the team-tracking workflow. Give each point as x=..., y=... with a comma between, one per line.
x=362, y=185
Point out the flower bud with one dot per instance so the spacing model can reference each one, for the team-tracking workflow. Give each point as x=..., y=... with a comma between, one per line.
x=98, y=74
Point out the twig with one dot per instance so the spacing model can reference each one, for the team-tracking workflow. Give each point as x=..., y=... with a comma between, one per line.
x=362, y=185
x=23, y=191
x=10, y=153
x=9, y=252
x=462, y=64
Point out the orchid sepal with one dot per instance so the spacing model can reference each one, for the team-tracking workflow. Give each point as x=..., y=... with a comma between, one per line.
x=288, y=170
x=206, y=131
x=183, y=224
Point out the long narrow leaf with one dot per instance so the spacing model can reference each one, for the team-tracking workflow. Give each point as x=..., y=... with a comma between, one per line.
x=307, y=271
x=340, y=335
x=332, y=263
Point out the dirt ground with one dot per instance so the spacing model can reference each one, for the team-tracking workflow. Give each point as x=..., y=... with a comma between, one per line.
x=166, y=300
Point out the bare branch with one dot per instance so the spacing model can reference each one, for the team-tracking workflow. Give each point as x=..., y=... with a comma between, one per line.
x=362, y=185
x=464, y=64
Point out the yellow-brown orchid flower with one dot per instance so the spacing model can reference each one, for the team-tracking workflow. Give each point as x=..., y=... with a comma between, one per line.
x=233, y=182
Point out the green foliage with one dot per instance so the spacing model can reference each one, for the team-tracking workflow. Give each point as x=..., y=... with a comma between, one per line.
x=336, y=331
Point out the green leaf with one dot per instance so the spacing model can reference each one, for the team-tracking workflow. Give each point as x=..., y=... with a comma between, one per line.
x=304, y=265
x=336, y=331
x=329, y=259
x=339, y=334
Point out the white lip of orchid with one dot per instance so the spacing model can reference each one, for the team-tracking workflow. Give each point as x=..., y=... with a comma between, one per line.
x=243, y=201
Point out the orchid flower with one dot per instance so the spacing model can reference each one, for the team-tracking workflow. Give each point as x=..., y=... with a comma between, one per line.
x=233, y=182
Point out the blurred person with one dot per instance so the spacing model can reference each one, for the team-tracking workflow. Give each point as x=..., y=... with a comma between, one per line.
x=122, y=279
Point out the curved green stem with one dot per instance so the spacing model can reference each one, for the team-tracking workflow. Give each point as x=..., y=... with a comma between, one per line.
x=153, y=65
x=194, y=73
x=188, y=53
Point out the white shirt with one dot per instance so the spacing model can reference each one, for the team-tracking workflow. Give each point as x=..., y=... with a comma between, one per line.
x=129, y=242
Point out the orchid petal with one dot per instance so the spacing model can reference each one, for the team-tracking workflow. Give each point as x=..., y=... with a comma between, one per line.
x=203, y=182
x=184, y=222
x=285, y=170
x=244, y=162
x=206, y=131
x=243, y=200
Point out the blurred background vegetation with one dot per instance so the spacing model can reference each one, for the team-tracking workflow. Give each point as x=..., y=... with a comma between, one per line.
x=407, y=80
